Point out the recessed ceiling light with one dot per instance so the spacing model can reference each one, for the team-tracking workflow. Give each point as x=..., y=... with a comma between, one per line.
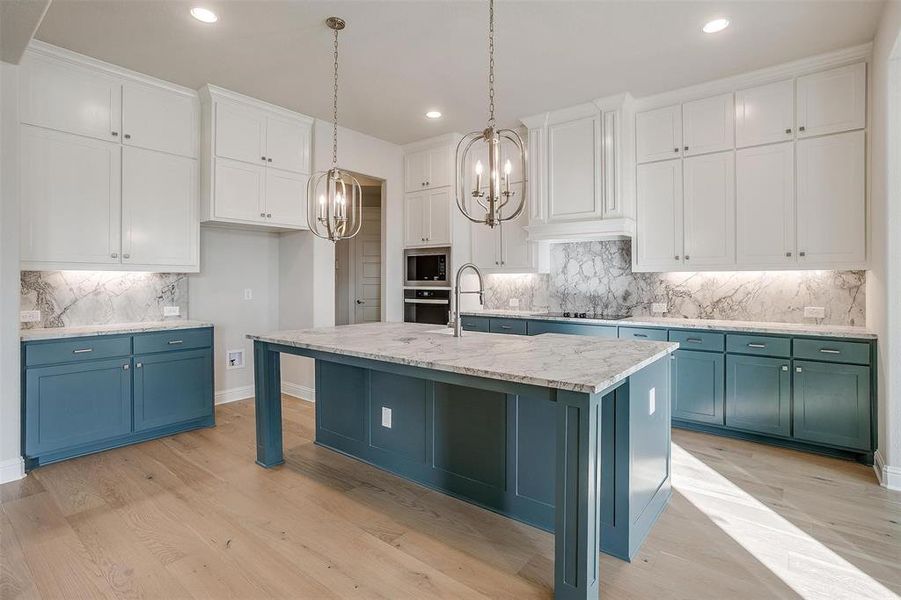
x=715, y=25
x=204, y=14
x=433, y=114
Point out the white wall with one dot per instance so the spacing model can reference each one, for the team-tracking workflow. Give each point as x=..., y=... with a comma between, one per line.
x=232, y=260
x=884, y=279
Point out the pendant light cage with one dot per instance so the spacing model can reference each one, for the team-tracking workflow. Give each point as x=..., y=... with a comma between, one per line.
x=334, y=197
x=497, y=195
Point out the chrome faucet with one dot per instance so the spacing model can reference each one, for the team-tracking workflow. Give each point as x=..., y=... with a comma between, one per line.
x=458, y=323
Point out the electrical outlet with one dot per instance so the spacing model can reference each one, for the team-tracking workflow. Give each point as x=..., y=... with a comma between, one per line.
x=652, y=401
x=234, y=359
x=248, y=294
x=386, y=417
x=815, y=312
x=658, y=307
x=30, y=316
x=514, y=302
x=171, y=311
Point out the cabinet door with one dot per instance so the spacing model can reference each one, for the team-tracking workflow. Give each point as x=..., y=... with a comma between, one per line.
x=288, y=144
x=437, y=219
x=441, y=166
x=159, y=119
x=66, y=97
x=486, y=246
x=832, y=404
x=574, y=164
x=240, y=133
x=71, y=198
x=710, y=210
x=707, y=125
x=764, y=114
x=239, y=191
x=286, y=198
x=658, y=134
x=159, y=209
x=758, y=394
x=698, y=386
x=172, y=387
x=765, y=207
x=415, y=213
x=832, y=200
x=73, y=404
x=659, y=234
x=514, y=238
x=416, y=171
x=832, y=101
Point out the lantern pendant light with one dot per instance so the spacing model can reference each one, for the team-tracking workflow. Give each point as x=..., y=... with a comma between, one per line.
x=334, y=197
x=497, y=195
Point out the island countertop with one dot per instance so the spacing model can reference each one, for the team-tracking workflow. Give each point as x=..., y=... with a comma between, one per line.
x=575, y=363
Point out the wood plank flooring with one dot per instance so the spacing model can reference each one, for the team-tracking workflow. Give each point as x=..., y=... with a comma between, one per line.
x=192, y=516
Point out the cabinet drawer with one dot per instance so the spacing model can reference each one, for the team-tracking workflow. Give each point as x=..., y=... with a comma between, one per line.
x=642, y=333
x=539, y=327
x=76, y=350
x=514, y=326
x=699, y=340
x=475, y=324
x=173, y=340
x=758, y=345
x=843, y=352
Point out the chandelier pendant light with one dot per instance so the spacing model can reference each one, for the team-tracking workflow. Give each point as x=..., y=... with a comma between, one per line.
x=334, y=197
x=495, y=197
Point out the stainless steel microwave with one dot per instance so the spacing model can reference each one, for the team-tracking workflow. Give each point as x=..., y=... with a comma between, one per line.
x=426, y=267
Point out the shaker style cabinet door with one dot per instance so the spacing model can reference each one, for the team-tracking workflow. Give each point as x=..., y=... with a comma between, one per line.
x=698, y=386
x=159, y=119
x=240, y=191
x=573, y=170
x=832, y=404
x=416, y=171
x=71, y=198
x=172, y=387
x=758, y=394
x=709, y=210
x=765, y=114
x=765, y=205
x=707, y=125
x=441, y=164
x=658, y=134
x=415, y=213
x=286, y=198
x=832, y=101
x=832, y=200
x=240, y=133
x=288, y=145
x=62, y=96
x=437, y=225
x=659, y=240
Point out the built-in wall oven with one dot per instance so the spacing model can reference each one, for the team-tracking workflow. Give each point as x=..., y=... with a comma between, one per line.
x=427, y=305
x=426, y=267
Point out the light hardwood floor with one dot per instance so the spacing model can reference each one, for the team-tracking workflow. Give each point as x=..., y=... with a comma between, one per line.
x=192, y=516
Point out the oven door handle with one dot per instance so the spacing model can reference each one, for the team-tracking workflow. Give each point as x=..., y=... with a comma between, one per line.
x=426, y=301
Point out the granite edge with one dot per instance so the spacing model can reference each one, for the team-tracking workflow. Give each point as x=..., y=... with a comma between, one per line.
x=55, y=333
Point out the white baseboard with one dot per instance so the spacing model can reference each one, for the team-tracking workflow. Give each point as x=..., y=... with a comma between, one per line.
x=12, y=469
x=299, y=391
x=888, y=476
x=246, y=391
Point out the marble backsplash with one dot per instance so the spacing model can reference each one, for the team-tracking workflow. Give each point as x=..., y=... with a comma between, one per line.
x=73, y=298
x=597, y=277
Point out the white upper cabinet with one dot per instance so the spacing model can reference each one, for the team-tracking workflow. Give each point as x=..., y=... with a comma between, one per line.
x=659, y=195
x=429, y=168
x=71, y=200
x=505, y=247
x=415, y=211
x=240, y=189
x=427, y=218
x=240, y=133
x=416, y=171
x=573, y=170
x=286, y=198
x=658, y=134
x=288, y=144
x=709, y=210
x=158, y=119
x=832, y=200
x=765, y=114
x=62, y=95
x=429, y=205
x=765, y=207
x=160, y=225
x=708, y=125
x=832, y=101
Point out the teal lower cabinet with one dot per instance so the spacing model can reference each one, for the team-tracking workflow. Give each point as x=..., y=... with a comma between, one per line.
x=758, y=394
x=698, y=386
x=74, y=404
x=832, y=404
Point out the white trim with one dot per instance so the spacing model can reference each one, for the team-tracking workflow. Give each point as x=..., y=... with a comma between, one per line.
x=211, y=93
x=888, y=476
x=234, y=394
x=301, y=392
x=12, y=469
x=448, y=139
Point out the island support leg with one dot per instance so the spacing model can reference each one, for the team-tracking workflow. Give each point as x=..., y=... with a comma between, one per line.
x=577, y=542
x=268, y=394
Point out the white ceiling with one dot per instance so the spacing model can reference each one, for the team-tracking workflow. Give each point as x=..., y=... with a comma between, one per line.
x=399, y=59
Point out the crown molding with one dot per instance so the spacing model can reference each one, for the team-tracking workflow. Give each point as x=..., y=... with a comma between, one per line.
x=210, y=92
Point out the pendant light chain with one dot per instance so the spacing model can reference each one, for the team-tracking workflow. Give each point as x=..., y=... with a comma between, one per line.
x=491, y=63
x=335, y=108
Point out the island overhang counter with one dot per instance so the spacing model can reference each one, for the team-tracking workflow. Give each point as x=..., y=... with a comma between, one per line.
x=569, y=434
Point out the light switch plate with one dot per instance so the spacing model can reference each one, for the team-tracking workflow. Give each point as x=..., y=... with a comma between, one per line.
x=30, y=316
x=248, y=294
x=171, y=311
x=652, y=401
x=815, y=312
x=386, y=417
x=658, y=307
x=514, y=302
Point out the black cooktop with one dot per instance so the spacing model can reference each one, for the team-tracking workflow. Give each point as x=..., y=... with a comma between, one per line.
x=587, y=315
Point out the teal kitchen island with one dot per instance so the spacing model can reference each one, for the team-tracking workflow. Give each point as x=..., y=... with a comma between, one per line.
x=569, y=434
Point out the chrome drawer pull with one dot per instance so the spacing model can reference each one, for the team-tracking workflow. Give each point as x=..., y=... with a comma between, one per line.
x=82, y=350
x=830, y=351
x=505, y=327
x=641, y=335
x=757, y=346
x=173, y=342
x=694, y=340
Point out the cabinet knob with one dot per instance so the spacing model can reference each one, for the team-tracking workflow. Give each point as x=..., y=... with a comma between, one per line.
x=125, y=367
x=687, y=257
x=428, y=183
x=799, y=370
x=127, y=136
x=789, y=130
x=676, y=150
x=686, y=147
x=802, y=128
x=268, y=159
x=676, y=257
x=268, y=215
x=114, y=133
x=262, y=214
x=262, y=158
x=138, y=365
x=497, y=262
x=785, y=367
x=126, y=256
x=788, y=253
x=802, y=254
x=114, y=255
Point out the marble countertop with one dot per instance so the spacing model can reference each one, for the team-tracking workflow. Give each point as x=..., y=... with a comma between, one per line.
x=52, y=333
x=580, y=364
x=807, y=329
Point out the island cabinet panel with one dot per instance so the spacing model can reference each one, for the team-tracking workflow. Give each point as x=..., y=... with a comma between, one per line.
x=698, y=386
x=758, y=394
x=535, y=450
x=832, y=404
x=341, y=405
x=397, y=415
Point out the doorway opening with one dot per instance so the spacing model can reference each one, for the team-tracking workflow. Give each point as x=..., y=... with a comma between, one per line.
x=359, y=262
